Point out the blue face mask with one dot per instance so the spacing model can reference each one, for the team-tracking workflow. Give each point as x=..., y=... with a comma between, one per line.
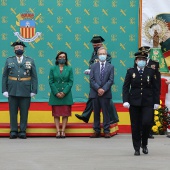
x=141, y=63
x=102, y=57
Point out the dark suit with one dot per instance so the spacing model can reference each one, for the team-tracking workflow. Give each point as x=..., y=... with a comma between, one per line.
x=141, y=92
x=19, y=80
x=101, y=102
x=89, y=106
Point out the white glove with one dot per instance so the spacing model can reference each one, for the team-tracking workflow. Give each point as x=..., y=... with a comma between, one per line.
x=87, y=71
x=32, y=94
x=5, y=94
x=156, y=106
x=126, y=105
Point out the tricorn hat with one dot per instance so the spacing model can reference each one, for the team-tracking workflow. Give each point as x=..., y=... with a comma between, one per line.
x=140, y=54
x=18, y=43
x=145, y=49
x=97, y=39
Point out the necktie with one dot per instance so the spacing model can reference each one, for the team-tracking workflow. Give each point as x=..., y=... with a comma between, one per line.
x=140, y=72
x=102, y=72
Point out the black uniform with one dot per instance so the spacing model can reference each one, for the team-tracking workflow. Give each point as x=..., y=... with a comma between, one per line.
x=141, y=91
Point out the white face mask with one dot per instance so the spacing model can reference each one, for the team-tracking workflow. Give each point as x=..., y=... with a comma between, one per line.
x=141, y=63
x=102, y=58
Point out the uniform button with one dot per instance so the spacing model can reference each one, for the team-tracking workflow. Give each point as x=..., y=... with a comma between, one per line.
x=62, y=88
x=141, y=83
x=141, y=93
x=141, y=88
x=62, y=82
x=140, y=79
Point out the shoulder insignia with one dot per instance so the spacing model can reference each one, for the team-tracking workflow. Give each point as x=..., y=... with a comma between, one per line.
x=130, y=68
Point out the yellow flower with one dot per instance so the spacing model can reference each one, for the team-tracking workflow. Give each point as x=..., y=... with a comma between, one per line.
x=156, y=118
x=154, y=128
x=156, y=112
x=158, y=123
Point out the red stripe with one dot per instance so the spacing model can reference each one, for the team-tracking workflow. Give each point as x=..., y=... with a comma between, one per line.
x=44, y=106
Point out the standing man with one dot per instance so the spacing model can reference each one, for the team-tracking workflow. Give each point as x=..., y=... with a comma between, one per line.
x=155, y=66
x=97, y=42
x=19, y=84
x=141, y=96
x=101, y=80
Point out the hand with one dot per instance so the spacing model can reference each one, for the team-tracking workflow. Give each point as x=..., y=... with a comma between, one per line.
x=62, y=94
x=87, y=71
x=5, y=94
x=168, y=82
x=100, y=92
x=126, y=105
x=32, y=94
x=156, y=106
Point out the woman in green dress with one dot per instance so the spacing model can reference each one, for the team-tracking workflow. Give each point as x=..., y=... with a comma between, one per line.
x=61, y=100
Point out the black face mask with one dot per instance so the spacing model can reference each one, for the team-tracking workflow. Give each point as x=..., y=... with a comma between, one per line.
x=19, y=52
x=96, y=48
x=61, y=61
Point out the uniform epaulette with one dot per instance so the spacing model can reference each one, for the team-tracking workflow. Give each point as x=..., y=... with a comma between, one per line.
x=130, y=68
x=150, y=67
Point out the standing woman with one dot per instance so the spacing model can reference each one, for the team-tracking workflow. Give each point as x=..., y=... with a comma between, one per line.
x=61, y=82
x=141, y=96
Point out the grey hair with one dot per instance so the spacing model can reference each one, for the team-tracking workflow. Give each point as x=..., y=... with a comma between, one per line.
x=101, y=48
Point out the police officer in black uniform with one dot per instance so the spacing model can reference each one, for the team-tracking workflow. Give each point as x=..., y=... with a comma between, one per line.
x=141, y=95
x=155, y=66
x=97, y=43
x=19, y=84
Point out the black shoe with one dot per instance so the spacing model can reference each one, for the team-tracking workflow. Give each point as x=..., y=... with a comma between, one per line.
x=82, y=118
x=145, y=149
x=137, y=153
x=151, y=136
x=13, y=136
x=22, y=135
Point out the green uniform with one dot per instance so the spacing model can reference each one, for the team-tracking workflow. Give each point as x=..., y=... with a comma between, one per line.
x=19, y=80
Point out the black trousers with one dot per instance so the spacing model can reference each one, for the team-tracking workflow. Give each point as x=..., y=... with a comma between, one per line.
x=141, y=118
x=15, y=104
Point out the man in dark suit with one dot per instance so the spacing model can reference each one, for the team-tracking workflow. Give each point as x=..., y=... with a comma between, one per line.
x=97, y=42
x=155, y=66
x=101, y=80
x=141, y=96
x=19, y=84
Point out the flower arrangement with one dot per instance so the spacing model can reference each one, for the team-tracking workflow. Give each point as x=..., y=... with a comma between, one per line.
x=161, y=120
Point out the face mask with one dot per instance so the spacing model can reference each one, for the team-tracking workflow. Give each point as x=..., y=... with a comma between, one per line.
x=61, y=61
x=141, y=63
x=96, y=49
x=102, y=57
x=19, y=52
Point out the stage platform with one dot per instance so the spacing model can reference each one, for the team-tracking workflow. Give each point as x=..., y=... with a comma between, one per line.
x=41, y=123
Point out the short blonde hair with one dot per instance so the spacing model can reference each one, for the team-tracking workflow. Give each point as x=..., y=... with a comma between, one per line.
x=101, y=48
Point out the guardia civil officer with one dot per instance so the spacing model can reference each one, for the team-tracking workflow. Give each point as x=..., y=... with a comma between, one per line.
x=19, y=84
x=141, y=96
x=155, y=66
x=97, y=42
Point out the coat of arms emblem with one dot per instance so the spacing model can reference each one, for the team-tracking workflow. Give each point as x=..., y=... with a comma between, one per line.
x=27, y=28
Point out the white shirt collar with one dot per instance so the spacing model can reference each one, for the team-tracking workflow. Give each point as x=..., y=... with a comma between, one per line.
x=140, y=68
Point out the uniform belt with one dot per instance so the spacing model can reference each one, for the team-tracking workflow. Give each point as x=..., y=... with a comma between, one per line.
x=19, y=78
